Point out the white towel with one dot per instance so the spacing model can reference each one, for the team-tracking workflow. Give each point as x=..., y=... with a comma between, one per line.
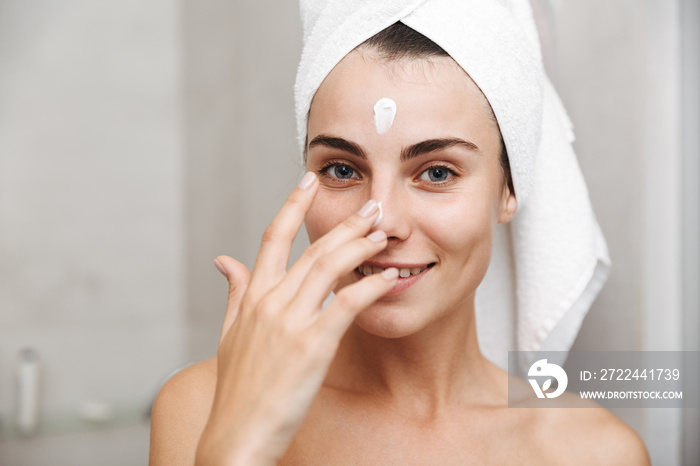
x=551, y=260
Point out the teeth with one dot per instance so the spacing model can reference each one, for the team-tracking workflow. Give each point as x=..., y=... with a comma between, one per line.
x=404, y=272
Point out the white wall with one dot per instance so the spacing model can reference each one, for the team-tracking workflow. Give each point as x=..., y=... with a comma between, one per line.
x=619, y=68
x=242, y=159
x=91, y=199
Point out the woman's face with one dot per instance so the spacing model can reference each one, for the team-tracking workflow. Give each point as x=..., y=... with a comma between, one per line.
x=436, y=172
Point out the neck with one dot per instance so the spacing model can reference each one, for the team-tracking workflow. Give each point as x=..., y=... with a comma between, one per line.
x=428, y=371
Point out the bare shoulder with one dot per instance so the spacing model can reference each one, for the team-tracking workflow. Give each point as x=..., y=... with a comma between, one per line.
x=590, y=434
x=180, y=413
x=574, y=431
x=613, y=441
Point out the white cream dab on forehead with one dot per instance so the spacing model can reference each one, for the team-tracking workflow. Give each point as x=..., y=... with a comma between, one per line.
x=384, y=113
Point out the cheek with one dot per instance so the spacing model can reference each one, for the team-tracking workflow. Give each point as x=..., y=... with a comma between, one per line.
x=326, y=212
x=462, y=227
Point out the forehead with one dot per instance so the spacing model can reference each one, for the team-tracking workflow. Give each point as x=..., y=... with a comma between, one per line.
x=434, y=97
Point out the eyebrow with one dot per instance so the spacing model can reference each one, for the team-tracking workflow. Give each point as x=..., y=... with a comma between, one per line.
x=338, y=143
x=408, y=153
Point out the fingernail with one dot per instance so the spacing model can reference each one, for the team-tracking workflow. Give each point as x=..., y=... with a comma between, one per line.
x=368, y=209
x=379, y=218
x=307, y=180
x=377, y=236
x=220, y=268
x=391, y=273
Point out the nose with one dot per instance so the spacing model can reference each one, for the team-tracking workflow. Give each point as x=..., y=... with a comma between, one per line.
x=395, y=210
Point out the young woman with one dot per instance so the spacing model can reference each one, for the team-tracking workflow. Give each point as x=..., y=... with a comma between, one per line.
x=391, y=371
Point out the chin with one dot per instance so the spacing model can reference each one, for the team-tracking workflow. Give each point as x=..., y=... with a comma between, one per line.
x=389, y=321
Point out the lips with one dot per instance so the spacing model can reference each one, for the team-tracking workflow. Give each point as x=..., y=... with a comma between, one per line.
x=403, y=271
x=409, y=274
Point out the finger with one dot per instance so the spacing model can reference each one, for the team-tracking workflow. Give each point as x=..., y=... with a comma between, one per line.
x=355, y=226
x=329, y=268
x=271, y=263
x=238, y=278
x=334, y=321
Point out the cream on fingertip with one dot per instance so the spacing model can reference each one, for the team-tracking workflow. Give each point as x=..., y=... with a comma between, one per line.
x=390, y=274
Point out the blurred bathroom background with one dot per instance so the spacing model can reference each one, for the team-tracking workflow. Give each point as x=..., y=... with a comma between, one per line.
x=141, y=139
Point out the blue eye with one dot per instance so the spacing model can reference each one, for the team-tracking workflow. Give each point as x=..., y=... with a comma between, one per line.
x=341, y=171
x=437, y=174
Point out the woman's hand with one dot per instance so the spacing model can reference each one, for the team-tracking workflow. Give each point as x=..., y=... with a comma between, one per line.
x=278, y=342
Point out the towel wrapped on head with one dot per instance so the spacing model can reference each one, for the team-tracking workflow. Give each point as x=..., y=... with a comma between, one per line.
x=550, y=262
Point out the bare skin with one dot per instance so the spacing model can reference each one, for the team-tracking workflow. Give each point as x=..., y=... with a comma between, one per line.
x=398, y=378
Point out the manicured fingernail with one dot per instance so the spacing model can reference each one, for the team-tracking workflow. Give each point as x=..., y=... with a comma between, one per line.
x=220, y=268
x=391, y=273
x=377, y=236
x=379, y=218
x=368, y=209
x=307, y=180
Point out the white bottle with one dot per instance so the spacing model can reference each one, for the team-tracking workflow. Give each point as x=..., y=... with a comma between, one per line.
x=28, y=391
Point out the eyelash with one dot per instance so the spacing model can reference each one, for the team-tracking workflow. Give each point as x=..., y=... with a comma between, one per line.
x=322, y=172
x=449, y=180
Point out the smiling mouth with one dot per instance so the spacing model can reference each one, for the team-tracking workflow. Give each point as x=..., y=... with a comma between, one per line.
x=403, y=272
